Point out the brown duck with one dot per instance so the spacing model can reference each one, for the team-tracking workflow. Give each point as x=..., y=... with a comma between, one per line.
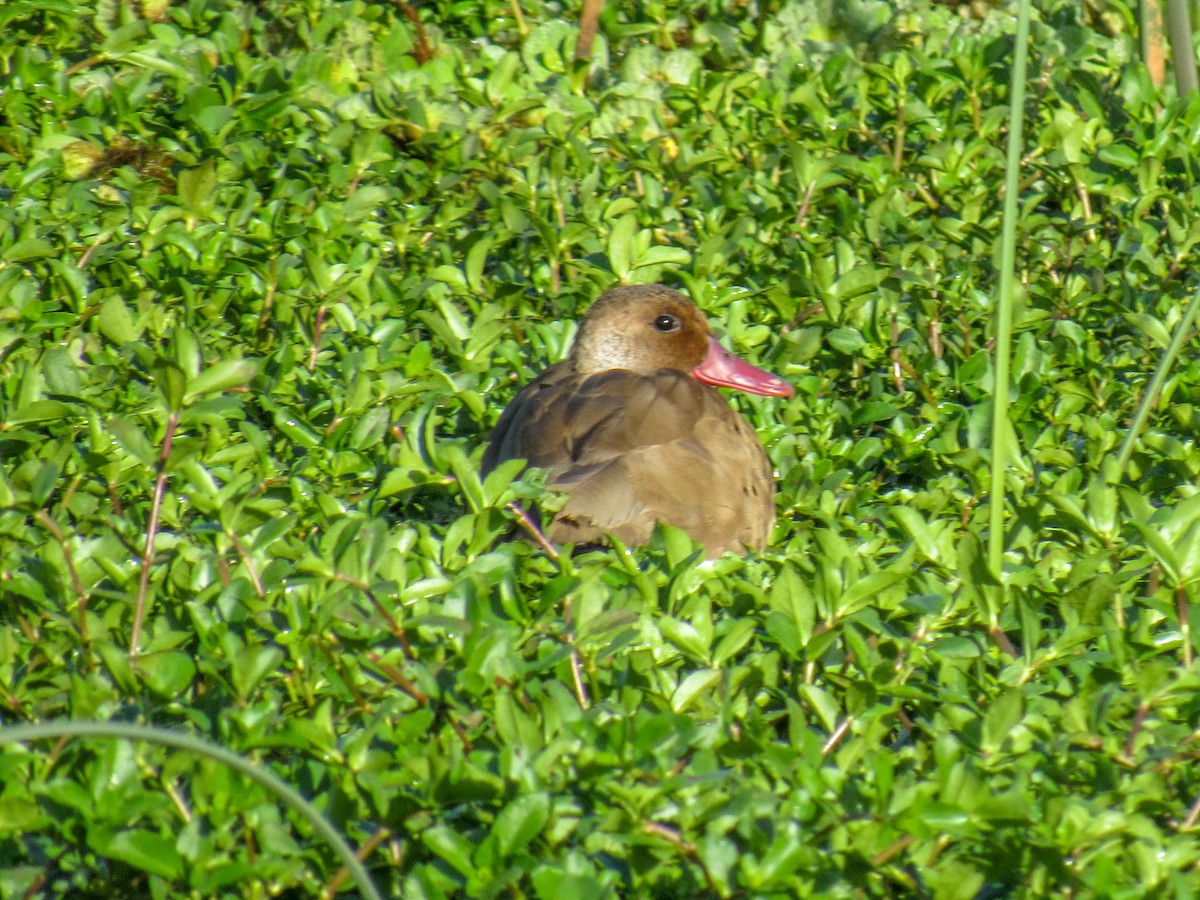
x=630, y=428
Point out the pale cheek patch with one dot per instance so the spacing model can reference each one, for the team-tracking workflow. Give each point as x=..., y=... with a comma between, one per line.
x=603, y=345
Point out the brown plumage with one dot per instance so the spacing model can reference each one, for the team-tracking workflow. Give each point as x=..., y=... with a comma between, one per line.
x=631, y=429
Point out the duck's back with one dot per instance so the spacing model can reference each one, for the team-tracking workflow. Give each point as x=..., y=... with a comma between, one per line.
x=634, y=449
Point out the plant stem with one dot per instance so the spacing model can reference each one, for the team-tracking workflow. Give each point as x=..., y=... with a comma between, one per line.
x=80, y=594
x=1185, y=624
x=1150, y=29
x=589, y=22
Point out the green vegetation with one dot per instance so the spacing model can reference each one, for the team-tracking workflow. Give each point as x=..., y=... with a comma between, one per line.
x=270, y=271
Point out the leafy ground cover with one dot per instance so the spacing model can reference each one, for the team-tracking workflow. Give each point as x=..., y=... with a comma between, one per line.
x=269, y=272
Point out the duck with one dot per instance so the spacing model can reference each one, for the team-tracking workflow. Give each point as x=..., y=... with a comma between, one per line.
x=631, y=427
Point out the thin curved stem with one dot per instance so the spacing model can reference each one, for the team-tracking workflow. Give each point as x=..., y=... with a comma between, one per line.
x=272, y=782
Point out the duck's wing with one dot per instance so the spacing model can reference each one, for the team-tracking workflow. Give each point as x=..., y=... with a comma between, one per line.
x=632, y=450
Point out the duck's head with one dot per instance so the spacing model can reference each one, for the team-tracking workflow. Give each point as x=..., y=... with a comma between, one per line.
x=647, y=327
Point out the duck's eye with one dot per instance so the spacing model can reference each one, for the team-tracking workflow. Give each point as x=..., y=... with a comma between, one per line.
x=666, y=323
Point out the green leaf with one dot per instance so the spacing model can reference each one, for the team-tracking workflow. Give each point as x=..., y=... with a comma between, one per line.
x=18, y=814
x=858, y=281
x=1003, y=715
x=520, y=822
x=823, y=703
x=476, y=260
x=143, y=850
x=27, y=250
x=171, y=383
x=61, y=372
x=134, y=440
x=115, y=321
x=44, y=482
x=1151, y=327
x=222, y=376
x=917, y=528
x=620, y=246
x=846, y=340
x=684, y=636
x=869, y=587
x=251, y=665
x=662, y=256
x=450, y=846
x=40, y=411
x=453, y=276
x=168, y=674
x=196, y=187
x=734, y=641
x=1163, y=552
x=697, y=683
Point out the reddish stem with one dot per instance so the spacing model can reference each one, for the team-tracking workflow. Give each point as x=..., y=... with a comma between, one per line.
x=160, y=486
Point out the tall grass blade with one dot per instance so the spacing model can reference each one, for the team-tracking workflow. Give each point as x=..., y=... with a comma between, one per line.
x=1005, y=301
x=1183, y=48
x=1150, y=397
